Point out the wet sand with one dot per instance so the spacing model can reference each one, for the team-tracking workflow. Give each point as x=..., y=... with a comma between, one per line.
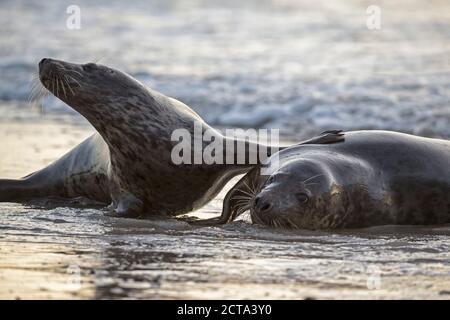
x=60, y=253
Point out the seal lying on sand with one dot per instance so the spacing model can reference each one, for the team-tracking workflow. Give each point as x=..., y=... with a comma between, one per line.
x=128, y=162
x=367, y=178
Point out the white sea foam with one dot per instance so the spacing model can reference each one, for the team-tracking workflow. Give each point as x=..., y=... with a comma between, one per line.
x=301, y=66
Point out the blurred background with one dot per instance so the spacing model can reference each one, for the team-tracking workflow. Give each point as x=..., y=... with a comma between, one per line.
x=301, y=66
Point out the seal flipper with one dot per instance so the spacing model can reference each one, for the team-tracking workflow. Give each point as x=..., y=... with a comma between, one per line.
x=80, y=172
x=12, y=190
x=234, y=203
x=128, y=206
x=326, y=137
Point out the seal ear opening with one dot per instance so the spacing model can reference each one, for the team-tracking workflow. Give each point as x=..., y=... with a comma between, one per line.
x=236, y=201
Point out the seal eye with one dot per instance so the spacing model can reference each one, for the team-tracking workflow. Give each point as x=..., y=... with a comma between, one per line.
x=88, y=67
x=270, y=180
x=302, y=197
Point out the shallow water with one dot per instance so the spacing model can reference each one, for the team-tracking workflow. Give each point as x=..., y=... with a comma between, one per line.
x=80, y=253
x=75, y=252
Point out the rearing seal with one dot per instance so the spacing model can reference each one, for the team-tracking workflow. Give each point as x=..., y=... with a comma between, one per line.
x=364, y=178
x=128, y=162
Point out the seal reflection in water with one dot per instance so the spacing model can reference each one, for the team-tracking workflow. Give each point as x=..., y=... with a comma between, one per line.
x=127, y=163
x=366, y=178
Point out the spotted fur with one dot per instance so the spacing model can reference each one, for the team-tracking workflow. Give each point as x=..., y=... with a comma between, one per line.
x=127, y=162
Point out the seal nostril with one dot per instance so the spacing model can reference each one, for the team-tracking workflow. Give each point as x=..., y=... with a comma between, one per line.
x=257, y=200
x=41, y=63
x=261, y=205
x=265, y=207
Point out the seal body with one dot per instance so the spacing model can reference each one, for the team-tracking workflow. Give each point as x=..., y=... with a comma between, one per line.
x=128, y=162
x=368, y=178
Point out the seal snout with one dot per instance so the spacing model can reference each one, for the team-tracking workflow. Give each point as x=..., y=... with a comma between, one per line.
x=42, y=62
x=45, y=66
x=262, y=204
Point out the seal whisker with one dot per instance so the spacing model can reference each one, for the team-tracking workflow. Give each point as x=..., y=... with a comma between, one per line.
x=245, y=192
x=63, y=88
x=73, y=79
x=292, y=224
x=241, y=197
x=57, y=85
x=35, y=82
x=313, y=177
x=280, y=223
x=74, y=71
x=37, y=92
x=241, y=207
x=36, y=95
x=53, y=83
x=240, y=202
x=241, y=210
x=36, y=88
x=68, y=85
x=253, y=184
x=275, y=223
x=311, y=183
x=255, y=218
x=249, y=188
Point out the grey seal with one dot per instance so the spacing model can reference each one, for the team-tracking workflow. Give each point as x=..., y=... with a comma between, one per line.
x=363, y=179
x=127, y=163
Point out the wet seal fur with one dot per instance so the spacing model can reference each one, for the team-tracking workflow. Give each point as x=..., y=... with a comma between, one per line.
x=365, y=178
x=128, y=162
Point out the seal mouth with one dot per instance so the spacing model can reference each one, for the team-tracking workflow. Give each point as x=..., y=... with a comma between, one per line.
x=273, y=217
x=271, y=220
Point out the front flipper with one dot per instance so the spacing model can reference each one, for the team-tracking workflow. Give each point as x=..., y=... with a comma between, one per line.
x=128, y=206
x=236, y=202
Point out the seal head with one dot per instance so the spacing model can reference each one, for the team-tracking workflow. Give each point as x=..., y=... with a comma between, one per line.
x=281, y=187
x=292, y=195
